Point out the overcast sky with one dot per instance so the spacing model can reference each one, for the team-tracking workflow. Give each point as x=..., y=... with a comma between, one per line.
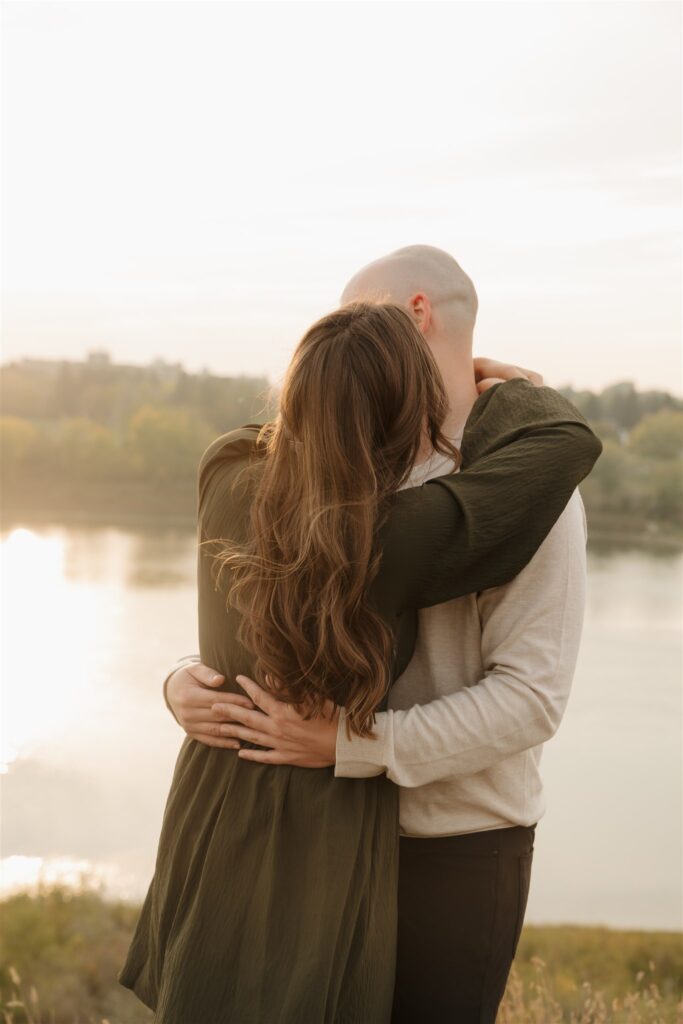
x=198, y=180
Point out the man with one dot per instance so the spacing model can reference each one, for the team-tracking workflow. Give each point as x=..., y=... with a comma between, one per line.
x=463, y=735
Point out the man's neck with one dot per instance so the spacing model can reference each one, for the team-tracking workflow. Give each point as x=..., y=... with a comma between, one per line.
x=458, y=376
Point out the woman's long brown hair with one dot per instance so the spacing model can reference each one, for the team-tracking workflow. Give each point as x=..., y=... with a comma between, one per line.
x=361, y=392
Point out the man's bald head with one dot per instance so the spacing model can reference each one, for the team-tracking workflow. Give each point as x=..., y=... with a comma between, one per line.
x=416, y=269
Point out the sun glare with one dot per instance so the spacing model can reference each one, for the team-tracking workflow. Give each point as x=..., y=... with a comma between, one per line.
x=49, y=626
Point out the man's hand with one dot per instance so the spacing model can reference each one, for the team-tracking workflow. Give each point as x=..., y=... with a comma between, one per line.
x=488, y=372
x=291, y=739
x=191, y=697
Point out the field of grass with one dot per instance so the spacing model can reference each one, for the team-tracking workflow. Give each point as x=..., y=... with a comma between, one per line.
x=584, y=975
x=61, y=950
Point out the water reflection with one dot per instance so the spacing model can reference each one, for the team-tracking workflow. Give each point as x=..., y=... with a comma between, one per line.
x=51, y=632
x=611, y=840
x=92, y=618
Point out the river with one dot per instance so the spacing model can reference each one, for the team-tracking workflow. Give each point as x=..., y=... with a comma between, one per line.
x=93, y=617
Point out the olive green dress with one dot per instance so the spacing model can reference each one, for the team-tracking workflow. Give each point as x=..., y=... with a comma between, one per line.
x=273, y=899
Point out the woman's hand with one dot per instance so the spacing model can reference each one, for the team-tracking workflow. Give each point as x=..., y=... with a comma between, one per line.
x=488, y=372
x=291, y=739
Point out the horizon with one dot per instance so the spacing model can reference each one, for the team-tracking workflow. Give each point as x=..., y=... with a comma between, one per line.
x=210, y=203
x=272, y=382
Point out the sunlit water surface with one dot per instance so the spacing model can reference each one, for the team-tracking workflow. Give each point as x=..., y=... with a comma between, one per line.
x=92, y=618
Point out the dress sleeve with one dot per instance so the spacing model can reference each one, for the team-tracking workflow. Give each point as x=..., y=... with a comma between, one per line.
x=524, y=451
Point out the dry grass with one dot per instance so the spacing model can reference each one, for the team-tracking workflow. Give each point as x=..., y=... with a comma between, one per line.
x=530, y=1003
x=60, y=952
x=535, y=1002
x=23, y=1006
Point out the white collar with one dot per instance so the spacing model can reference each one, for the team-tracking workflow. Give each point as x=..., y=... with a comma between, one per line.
x=436, y=465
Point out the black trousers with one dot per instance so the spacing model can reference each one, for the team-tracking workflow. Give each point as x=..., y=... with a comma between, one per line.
x=461, y=906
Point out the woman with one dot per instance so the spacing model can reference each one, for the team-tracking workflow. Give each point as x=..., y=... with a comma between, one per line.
x=274, y=893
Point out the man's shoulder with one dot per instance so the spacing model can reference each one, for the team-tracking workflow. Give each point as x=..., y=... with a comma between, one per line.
x=570, y=526
x=567, y=536
x=559, y=562
x=572, y=520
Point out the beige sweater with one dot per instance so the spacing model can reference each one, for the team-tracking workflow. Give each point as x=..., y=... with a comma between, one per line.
x=487, y=685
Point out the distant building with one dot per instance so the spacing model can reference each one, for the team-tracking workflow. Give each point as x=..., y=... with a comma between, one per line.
x=99, y=357
x=166, y=371
x=48, y=367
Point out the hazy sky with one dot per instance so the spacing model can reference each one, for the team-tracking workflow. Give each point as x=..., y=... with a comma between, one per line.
x=198, y=180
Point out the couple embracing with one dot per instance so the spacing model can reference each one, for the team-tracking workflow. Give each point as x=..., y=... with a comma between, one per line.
x=390, y=595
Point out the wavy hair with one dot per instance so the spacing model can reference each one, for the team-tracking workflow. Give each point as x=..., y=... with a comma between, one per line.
x=361, y=393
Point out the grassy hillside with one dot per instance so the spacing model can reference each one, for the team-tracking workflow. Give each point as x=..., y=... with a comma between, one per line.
x=61, y=950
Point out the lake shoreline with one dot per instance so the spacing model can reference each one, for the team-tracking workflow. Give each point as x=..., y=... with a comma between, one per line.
x=137, y=506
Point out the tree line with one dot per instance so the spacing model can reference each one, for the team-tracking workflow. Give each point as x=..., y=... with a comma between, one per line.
x=639, y=476
x=108, y=422
x=100, y=422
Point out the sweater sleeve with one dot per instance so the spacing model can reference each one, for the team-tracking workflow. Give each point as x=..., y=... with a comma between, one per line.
x=530, y=634
x=525, y=450
x=187, y=659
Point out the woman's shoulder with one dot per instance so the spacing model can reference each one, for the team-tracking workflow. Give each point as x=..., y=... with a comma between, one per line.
x=222, y=462
x=231, y=447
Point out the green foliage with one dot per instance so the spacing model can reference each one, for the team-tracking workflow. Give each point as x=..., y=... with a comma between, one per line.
x=98, y=438
x=96, y=422
x=639, y=476
x=611, y=482
x=86, y=450
x=659, y=436
x=109, y=394
x=666, y=502
x=68, y=947
x=625, y=483
x=621, y=405
x=165, y=444
x=61, y=951
x=20, y=443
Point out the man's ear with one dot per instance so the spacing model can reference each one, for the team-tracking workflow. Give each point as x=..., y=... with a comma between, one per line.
x=421, y=308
